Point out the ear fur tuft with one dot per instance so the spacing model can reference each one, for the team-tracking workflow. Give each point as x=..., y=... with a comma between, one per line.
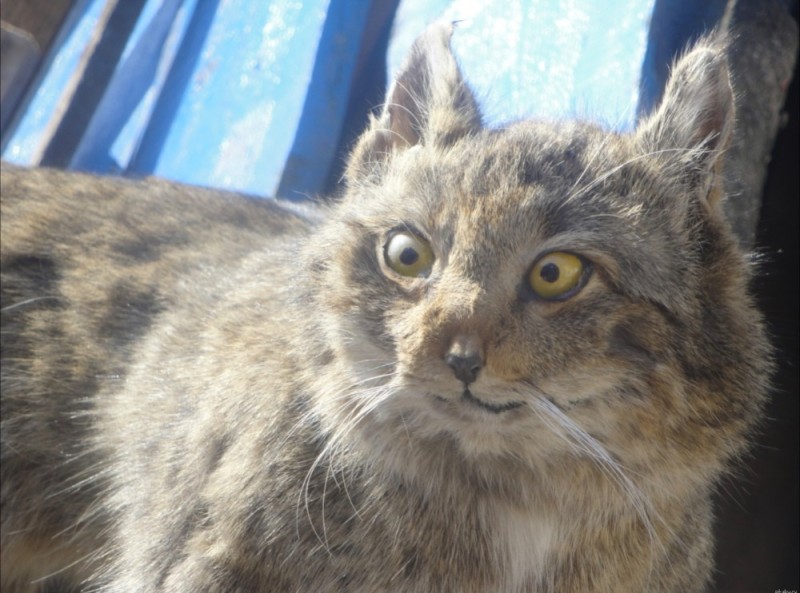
x=696, y=116
x=428, y=103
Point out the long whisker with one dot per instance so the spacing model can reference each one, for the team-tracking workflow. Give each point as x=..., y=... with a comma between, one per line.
x=361, y=403
x=578, y=439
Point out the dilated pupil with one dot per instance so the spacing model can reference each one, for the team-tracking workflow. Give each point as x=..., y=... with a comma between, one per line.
x=409, y=256
x=549, y=272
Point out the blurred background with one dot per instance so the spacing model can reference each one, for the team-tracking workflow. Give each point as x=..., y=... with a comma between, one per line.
x=266, y=96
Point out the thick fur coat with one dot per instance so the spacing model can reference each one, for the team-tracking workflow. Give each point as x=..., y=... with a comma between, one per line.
x=396, y=393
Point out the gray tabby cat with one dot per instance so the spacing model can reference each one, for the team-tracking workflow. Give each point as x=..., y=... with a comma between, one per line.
x=507, y=361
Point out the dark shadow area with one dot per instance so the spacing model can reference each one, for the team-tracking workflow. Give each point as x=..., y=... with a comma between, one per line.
x=757, y=541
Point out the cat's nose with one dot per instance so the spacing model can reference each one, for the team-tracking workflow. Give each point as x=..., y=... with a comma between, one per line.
x=465, y=358
x=465, y=368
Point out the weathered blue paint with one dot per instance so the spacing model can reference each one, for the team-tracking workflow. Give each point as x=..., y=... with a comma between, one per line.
x=320, y=124
x=126, y=104
x=250, y=95
x=235, y=124
x=235, y=94
x=29, y=137
x=541, y=58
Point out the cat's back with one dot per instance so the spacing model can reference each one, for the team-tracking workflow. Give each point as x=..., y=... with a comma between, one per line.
x=135, y=223
x=90, y=267
x=101, y=258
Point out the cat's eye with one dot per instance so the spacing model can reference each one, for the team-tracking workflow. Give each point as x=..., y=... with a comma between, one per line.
x=409, y=255
x=558, y=275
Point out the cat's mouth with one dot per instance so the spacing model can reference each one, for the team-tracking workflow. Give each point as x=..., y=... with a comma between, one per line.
x=468, y=397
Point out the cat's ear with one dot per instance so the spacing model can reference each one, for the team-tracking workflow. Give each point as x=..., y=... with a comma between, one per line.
x=693, y=124
x=428, y=103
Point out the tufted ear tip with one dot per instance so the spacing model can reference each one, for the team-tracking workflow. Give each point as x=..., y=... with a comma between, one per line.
x=438, y=33
x=693, y=124
x=697, y=111
x=428, y=103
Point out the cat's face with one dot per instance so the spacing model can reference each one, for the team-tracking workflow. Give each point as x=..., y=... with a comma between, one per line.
x=520, y=292
x=483, y=277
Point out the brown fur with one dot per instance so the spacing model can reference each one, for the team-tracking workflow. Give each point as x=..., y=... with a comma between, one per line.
x=207, y=393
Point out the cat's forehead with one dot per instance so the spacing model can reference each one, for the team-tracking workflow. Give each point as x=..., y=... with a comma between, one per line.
x=528, y=179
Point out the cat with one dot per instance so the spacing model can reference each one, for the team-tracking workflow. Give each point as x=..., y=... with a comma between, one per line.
x=506, y=360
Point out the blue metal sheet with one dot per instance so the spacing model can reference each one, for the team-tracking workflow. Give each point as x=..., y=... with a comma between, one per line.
x=318, y=130
x=28, y=141
x=117, y=125
x=544, y=58
x=250, y=95
x=237, y=122
x=237, y=95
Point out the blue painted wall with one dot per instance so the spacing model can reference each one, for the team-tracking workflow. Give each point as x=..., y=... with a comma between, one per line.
x=251, y=95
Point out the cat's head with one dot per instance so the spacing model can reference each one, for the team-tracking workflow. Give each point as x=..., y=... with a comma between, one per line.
x=542, y=289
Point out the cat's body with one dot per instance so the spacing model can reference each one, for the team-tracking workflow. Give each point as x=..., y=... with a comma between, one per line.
x=206, y=393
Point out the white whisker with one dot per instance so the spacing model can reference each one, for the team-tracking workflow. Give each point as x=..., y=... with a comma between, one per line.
x=580, y=441
x=357, y=405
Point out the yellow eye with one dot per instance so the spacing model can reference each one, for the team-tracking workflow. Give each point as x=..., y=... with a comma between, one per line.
x=557, y=275
x=408, y=255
